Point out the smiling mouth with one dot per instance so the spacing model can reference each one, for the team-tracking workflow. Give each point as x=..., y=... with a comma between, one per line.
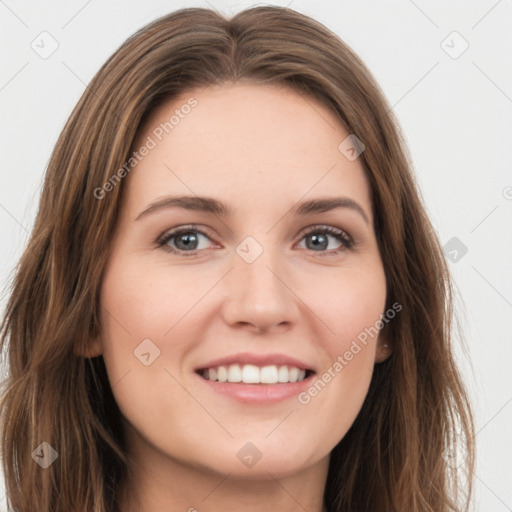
x=252, y=374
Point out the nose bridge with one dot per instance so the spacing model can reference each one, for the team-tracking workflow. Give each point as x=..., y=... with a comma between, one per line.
x=261, y=276
x=258, y=289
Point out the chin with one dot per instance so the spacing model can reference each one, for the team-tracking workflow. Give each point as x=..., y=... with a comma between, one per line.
x=259, y=459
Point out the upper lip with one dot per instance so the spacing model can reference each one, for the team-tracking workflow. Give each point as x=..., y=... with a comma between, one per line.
x=257, y=360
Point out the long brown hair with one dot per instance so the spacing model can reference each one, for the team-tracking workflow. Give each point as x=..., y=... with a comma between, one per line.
x=394, y=457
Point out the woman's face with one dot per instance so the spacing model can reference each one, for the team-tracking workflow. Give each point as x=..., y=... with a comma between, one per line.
x=261, y=281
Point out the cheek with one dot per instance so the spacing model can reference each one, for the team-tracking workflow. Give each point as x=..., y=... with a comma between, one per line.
x=350, y=305
x=145, y=337
x=152, y=318
x=339, y=388
x=148, y=301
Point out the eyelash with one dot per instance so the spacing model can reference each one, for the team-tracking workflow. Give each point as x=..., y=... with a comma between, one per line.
x=339, y=234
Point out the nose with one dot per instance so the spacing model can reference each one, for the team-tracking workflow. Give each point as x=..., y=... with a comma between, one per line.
x=260, y=294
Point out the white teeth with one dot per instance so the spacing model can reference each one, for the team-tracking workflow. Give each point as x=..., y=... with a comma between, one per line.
x=222, y=374
x=252, y=374
x=234, y=373
x=268, y=375
x=293, y=374
x=282, y=374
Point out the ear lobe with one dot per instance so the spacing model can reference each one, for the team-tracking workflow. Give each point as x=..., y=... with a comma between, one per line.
x=384, y=349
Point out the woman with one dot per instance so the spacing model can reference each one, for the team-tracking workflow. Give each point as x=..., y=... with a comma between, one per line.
x=232, y=296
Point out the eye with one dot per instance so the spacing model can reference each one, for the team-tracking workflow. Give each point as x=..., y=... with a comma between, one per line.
x=187, y=239
x=319, y=240
x=183, y=240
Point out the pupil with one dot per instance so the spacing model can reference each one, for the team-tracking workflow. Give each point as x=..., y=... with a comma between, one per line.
x=188, y=239
x=317, y=241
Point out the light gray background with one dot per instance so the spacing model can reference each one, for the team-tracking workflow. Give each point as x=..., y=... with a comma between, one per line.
x=456, y=114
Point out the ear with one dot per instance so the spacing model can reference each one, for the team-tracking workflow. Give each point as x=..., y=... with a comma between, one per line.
x=384, y=347
x=94, y=348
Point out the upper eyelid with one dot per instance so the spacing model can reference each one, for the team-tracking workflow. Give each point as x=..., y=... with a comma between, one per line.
x=168, y=234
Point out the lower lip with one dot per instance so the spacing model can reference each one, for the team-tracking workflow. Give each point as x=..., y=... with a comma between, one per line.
x=257, y=393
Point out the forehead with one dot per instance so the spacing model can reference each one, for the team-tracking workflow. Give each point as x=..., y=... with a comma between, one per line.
x=247, y=143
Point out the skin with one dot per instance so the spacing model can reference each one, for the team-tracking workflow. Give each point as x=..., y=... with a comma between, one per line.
x=260, y=149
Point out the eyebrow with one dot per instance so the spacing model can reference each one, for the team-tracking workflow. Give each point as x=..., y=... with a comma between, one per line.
x=216, y=207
